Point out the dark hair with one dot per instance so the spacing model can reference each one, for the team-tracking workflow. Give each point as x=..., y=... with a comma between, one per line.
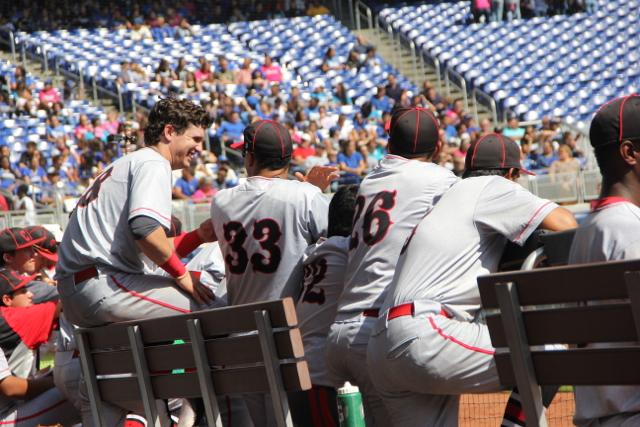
x=484, y=172
x=272, y=164
x=180, y=113
x=341, y=211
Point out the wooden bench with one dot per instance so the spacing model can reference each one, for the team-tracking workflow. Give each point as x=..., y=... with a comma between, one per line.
x=574, y=305
x=253, y=348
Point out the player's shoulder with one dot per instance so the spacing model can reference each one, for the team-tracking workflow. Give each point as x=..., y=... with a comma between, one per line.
x=334, y=246
x=145, y=156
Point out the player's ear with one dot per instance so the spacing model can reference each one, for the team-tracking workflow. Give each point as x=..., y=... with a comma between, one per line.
x=168, y=132
x=628, y=153
x=7, y=258
x=6, y=300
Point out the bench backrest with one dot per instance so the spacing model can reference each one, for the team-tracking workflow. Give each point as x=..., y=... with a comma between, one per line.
x=227, y=350
x=575, y=305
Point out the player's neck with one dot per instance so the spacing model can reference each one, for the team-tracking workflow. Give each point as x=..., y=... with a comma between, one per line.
x=278, y=173
x=626, y=188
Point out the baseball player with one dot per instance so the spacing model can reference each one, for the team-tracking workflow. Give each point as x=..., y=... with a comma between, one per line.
x=123, y=216
x=27, y=402
x=265, y=224
x=19, y=247
x=391, y=200
x=325, y=265
x=428, y=346
x=612, y=232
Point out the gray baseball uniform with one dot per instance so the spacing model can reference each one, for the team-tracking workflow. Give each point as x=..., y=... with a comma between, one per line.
x=325, y=264
x=423, y=357
x=48, y=408
x=98, y=235
x=264, y=226
x=391, y=200
x=611, y=232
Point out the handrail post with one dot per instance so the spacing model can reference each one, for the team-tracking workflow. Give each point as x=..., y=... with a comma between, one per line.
x=94, y=86
x=12, y=40
x=24, y=56
x=369, y=16
x=120, y=101
x=358, y=26
x=45, y=61
x=413, y=55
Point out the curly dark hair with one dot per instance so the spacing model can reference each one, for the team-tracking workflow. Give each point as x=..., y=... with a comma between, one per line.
x=180, y=113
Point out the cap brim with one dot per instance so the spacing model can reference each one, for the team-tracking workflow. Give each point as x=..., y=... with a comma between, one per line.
x=237, y=145
x=51, y=256
x=25, y=281
x=31, y=243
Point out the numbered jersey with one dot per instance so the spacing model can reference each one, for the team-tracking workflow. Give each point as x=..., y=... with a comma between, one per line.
x=325, y=267
x=391, y=200
x=98, y=232
x=264, y=226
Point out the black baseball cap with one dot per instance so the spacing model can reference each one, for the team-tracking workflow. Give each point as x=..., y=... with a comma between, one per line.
x=267, y=139
x=11, y=281
x=616, y=121
x=413, y=131
x=494, y=151
x=14, y=239
x=48, y=247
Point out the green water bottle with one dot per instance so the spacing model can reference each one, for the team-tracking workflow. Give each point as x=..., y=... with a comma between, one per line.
x=350, y=410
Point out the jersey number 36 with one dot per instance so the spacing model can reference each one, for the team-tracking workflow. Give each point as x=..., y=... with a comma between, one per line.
x=377, y=213
x=267, y=233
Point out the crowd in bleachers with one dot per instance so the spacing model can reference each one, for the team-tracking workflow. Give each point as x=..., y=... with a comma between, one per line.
x=498, y=10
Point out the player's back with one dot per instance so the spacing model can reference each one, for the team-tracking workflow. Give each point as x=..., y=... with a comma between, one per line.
x=461, y=238
x=98, y=232
x=391, y=200
x=264, y=226
x=325, y=265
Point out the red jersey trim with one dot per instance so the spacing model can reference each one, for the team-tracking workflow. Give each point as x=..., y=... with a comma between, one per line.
x=152, y=211
x=457, y=341
x=605, y=202
x=151, y=300
x=28, y=417
x=535, y=214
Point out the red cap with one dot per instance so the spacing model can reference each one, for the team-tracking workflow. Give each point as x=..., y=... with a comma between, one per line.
x=11, y=281
x=14, y=239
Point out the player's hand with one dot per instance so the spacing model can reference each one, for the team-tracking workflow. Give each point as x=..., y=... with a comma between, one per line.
x=320, y=176
x=191, y=284
x=206, y=231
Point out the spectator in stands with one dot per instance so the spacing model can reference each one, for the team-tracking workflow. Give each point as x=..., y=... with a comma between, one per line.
x=481, y=10
x=231, y=130
x=183, y=29
x=27, y=155
x=205, y=190
x=222, y=180
x=181, y=69
x=223, y=73
x=49, y=95
x=319, y=158
x=351, y=164
x=243, y=74
x=497, y=10
x=164, y=70
x=381, y=102
x=513, y=129
x=204, y=73
x=548, y=155
x=393, y=89
x=271, y=71
x=20, y=79
x=513, y=9
x=34, y=173
x=191, y=84
x=529, y=157
x=566, y=163
x=139, y=32
x=303, y=151
x=25, y=203
x=84, y=130
x=7, y=174
x=569, y=139
x=332, y=60
x=186, y=185
x=340, y=96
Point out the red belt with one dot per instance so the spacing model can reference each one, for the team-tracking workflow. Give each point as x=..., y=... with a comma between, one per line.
x=407, y=310
x=374, y=312
x=84, y=275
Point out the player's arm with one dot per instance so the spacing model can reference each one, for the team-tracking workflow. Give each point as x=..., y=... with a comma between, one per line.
x=559, y=219
x=22, y=388
x=154, y=243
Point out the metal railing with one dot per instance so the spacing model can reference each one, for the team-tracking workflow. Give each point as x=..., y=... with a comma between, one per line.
x=450, y=72
x=368, y=14
x=480, y=95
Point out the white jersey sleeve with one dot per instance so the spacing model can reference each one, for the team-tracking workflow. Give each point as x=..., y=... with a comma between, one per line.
x=325, y=265
x=98, y=233
x=6, y=403
x=263, y=227
x=509, y=209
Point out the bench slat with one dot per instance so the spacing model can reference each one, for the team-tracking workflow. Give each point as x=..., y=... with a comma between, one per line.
x=576, y=366
x=243, y=380
x=221, y=351
x=571, y=325
x=557, y=285
x=214, y=322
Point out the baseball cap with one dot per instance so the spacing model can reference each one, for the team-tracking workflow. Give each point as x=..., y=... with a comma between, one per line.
x=266, y=139
x=15, y=238
x=11, y=281
x=413, y=131
x=616, y=121
x=494, y=151
x=48, y=247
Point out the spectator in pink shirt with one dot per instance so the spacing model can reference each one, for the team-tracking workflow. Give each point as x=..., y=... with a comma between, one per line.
x=84, y=127
x=204, y=73
x=49, y=95
x=481, y=10
x=205, y=190
x=271, y=71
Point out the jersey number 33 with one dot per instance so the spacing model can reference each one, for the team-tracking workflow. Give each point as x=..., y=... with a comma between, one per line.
x=267, y=233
